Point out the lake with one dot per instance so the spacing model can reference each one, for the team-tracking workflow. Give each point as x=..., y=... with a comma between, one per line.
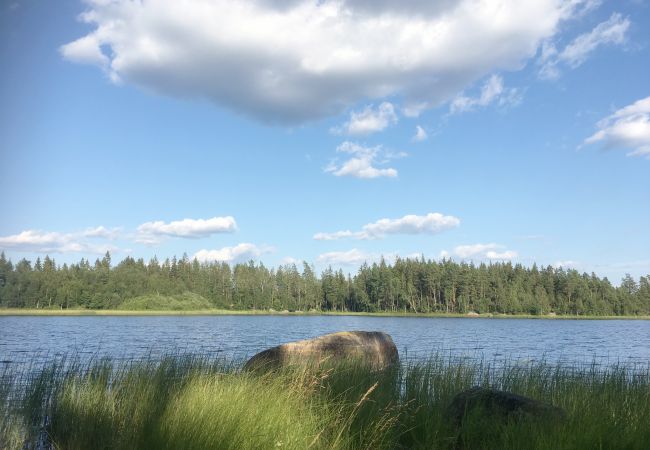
x=37, y=339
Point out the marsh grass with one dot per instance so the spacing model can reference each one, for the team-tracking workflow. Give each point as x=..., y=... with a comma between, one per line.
x=196, y=402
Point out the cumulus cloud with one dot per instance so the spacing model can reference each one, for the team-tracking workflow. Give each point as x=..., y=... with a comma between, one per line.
x=53, y=242
x=432, y=223
x=363, y=162
x=239, y=253
x=369, y=120
x=153, y=232
x=629, y=127
x=344, y=258
x=481, y=251
x=492, y=92
x=288, y=61
x=612, y=31
x=420, y=134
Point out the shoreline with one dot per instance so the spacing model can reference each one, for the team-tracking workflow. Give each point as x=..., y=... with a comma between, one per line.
x=226, y=312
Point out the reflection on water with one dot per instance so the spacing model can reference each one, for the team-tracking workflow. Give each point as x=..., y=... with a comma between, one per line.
x=39, y=339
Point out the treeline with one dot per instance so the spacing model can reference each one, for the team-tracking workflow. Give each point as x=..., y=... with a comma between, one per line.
x=407, y=285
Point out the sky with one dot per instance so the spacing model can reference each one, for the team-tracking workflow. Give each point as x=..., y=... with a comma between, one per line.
x=330, y=131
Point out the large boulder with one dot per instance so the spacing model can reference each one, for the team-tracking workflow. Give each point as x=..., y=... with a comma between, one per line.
x=373, y=348
x=504, y=405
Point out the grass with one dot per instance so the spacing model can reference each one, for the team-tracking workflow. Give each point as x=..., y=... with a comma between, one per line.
x=129, y=309
x=195, y=402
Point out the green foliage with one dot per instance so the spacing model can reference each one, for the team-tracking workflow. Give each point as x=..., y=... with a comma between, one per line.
x=193, y=402
x=408, y=285
x=239, y=412
x=183, y=302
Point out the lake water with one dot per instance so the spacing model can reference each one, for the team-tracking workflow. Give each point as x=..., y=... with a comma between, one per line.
x=39, y=338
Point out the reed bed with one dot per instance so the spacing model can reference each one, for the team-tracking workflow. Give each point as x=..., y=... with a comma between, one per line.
x=198, y=402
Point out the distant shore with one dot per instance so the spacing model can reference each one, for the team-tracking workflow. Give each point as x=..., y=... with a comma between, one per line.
x=261, y=312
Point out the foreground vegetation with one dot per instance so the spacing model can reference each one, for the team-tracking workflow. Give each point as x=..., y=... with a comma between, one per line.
x=194, y=402
x=407, y=286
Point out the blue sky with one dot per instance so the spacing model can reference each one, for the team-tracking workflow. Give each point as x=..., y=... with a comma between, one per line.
x=332, y=131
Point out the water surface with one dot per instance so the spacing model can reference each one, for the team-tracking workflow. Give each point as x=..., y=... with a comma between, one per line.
x=41, y=338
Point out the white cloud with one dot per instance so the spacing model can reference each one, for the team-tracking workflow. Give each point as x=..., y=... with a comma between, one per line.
x=31, y=239
x=505, y=255
x=345, y=258
x=52, y=242
x=102, y=232
x=288, y=61
x=629, y=127
x=480, y=251
x=86, y=50
x=363, y=162
x=612, y=31
x=239, y=253
x=432, y=223
x=492, y=91
x=369, y=120
x=289, y=260
x=420, y=134
x=356, y=257
x=336, y=235
x=152, y=232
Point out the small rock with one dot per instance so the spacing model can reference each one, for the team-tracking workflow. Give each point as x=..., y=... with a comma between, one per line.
x=500, y=403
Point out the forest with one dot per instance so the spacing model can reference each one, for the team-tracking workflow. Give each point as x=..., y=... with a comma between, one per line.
x=406, y=286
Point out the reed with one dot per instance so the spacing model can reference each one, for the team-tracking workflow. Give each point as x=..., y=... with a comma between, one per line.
x=197, y=402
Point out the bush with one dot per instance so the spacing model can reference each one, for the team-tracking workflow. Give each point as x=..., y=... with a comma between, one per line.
x=187, y=301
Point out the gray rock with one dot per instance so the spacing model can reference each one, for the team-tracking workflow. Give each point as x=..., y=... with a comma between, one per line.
x=505, y=405
x=374, y=348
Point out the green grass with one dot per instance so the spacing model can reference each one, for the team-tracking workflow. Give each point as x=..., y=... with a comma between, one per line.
x=194, y=402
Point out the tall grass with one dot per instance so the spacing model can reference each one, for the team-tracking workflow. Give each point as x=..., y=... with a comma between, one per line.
x=195, y=402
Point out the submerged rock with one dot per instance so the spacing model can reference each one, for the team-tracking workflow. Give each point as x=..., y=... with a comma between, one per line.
x=374, y=348
x=505, y=405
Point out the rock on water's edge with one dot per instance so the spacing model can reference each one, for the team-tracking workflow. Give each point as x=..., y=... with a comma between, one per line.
x=370, y=347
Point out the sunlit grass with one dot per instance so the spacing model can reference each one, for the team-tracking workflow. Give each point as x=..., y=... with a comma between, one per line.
x=195, y=402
